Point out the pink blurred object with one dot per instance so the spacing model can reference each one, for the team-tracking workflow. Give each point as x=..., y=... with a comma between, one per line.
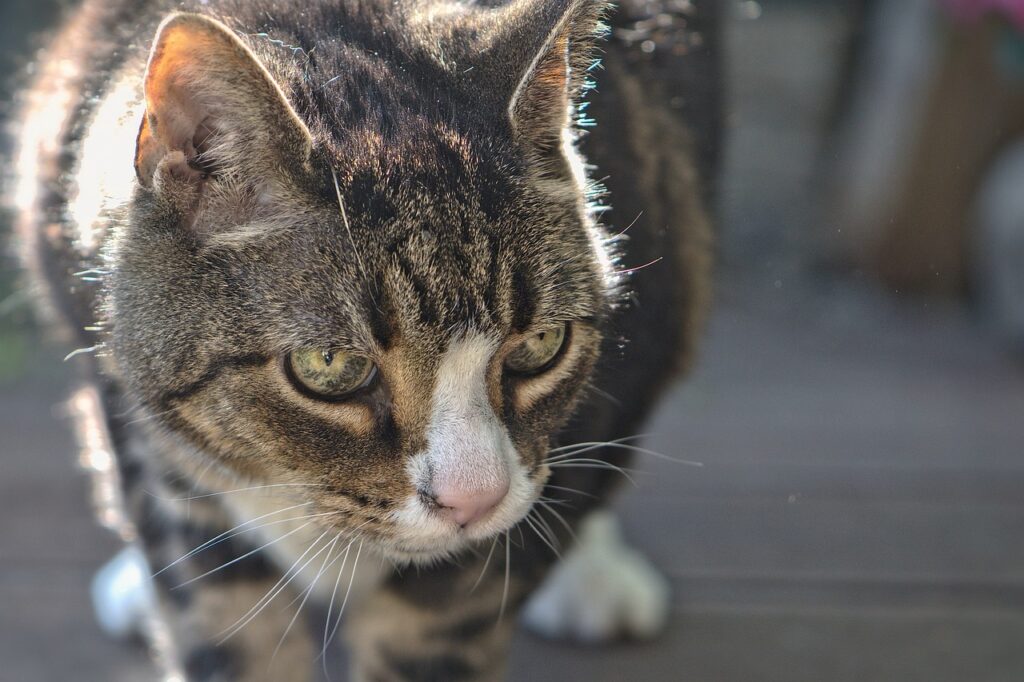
x=972, y=10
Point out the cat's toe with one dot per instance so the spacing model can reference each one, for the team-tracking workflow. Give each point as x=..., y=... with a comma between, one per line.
x=602, y=590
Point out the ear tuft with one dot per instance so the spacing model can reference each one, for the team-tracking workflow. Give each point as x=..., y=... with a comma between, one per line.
x=211, y=104
x=540, y=107
x=556, y=76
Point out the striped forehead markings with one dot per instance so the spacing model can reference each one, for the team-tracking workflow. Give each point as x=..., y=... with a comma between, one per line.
x=447, y=294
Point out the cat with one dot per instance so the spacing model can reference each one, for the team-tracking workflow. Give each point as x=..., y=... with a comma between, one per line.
x=353, y=311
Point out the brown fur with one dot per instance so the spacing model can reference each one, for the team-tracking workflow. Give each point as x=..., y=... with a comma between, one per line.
x=379, y=179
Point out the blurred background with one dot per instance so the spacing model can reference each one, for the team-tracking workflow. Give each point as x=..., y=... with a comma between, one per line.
x=858, y=404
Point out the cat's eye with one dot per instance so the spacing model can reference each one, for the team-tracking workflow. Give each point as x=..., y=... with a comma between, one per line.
x=538, y=352
x=329, y=375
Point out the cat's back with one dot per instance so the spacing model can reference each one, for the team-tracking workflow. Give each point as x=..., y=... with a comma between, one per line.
x=73, y=142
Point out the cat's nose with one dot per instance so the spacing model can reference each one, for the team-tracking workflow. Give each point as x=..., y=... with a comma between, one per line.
x=466, y=505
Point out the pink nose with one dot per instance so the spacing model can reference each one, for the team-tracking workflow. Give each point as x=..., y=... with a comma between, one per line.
x=466, y=506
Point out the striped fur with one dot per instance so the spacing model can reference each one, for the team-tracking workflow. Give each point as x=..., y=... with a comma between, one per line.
x=400, y=180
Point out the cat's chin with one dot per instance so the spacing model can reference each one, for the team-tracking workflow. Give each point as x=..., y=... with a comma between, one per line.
x=439, y=547
x=421, y=557
x=434, y=553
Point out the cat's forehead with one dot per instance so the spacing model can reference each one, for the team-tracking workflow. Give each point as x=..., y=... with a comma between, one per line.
x=422, y=162
x=436, y=284
x=423, y=282
x=452, y=242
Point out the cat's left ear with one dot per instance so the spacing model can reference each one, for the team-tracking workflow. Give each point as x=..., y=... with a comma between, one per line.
x=211, y=106
x=555, y=42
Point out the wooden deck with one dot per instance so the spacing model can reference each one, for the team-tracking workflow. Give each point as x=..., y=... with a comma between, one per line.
x=858, y=516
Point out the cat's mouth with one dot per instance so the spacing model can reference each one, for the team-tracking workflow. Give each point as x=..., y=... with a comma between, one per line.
x=430, y=550
x=423, y=536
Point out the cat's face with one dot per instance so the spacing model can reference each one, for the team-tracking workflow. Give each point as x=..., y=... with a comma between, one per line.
x=395, y=322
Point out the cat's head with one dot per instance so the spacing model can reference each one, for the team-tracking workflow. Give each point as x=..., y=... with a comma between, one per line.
x=367, y=267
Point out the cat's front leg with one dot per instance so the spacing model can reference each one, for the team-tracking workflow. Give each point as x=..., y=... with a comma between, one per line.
x=199, y=625
x=445, y=623
x=602, y=590
x=223, y=611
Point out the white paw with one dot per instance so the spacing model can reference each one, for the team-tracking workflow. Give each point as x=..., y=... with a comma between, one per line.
x=122, y=594
x=601, y=590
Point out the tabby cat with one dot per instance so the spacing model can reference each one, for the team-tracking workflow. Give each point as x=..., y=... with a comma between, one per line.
x=350, y=324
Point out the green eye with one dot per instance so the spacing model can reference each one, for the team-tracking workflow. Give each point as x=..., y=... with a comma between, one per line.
x=329, y=375
x=538, y=352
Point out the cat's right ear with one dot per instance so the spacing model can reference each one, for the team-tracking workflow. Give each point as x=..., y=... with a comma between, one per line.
x=534, y=56
x=212, y=107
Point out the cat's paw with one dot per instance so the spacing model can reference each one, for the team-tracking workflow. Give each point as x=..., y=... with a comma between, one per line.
x=601, y=590
x=122, y=594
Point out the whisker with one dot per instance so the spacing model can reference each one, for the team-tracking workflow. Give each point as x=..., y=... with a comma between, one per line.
x=575, y=453
x=343, y=555
x=226, y=535
x=540, y=535
x=631, y=448
x=569, y=490
x=308, y=591
x=593, y=464
x=606, y=395
x=626, y=229
x=590, y=444
x=328, y=562
x=504, y=590
x=547, y=527
x=344, y=218
x=348, y=590
x=487, y=562
x=272, y=593
x=334, y=592
x=588, y=460
x=330, y=607
x=236, y=560
x=560, y=518
x=629, y=271
x=82, y=351
x=237, y=490
x=256, y=528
